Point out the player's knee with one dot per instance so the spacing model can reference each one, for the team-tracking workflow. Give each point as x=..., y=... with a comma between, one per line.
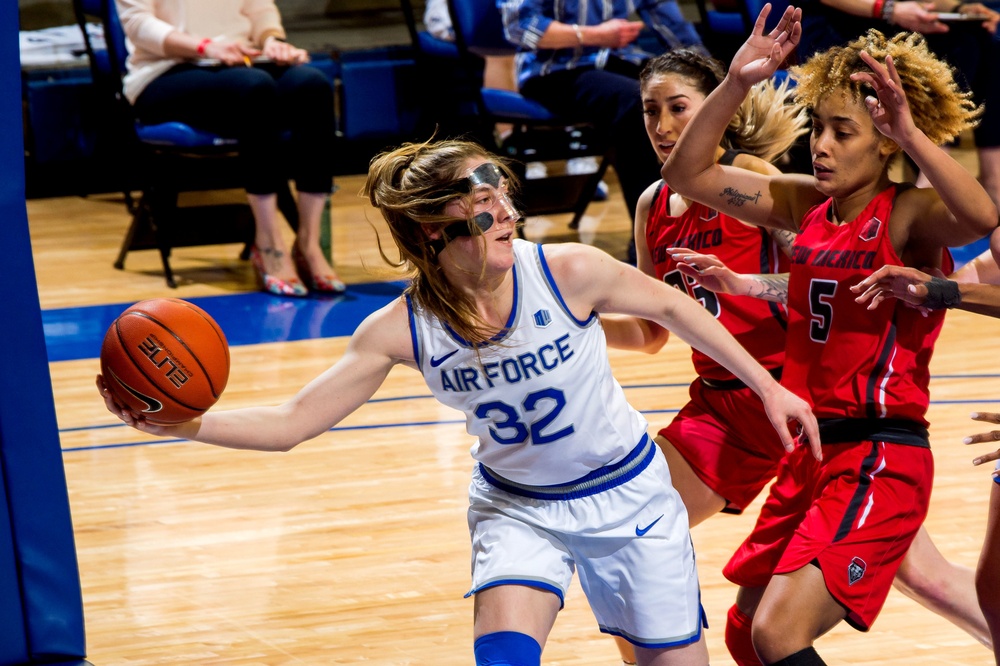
x=507, y=648
x=774, y=637
x=739, y=641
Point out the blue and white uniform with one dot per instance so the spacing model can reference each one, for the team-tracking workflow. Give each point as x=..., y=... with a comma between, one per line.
x=566, y=475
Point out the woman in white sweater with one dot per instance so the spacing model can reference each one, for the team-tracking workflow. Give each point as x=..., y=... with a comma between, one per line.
x=224, y=66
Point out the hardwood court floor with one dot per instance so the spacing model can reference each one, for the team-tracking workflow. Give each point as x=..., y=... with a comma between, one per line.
x=353, y=548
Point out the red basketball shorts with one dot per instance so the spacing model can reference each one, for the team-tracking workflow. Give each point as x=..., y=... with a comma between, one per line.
x=729, y=442
x=855, y=514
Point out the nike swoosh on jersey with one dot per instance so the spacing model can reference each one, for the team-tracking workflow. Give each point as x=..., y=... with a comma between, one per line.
x=640, y=531
x=435, y=362
x=152, y=404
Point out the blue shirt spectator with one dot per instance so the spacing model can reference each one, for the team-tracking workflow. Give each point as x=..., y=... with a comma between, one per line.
x=525, y=21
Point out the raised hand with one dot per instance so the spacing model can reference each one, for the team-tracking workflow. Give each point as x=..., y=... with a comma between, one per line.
x=761, y=54
x=888, y=108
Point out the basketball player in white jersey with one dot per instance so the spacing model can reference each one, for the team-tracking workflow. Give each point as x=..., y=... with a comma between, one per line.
x=565, y=476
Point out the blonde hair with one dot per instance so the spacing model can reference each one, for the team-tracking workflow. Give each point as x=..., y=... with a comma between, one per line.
x=766, y=124
x=411, y=186
x=940, y=109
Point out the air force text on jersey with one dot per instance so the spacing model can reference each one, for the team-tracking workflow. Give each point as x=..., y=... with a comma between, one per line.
x=510, y=370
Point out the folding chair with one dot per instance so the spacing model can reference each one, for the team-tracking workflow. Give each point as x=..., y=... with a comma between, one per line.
x=164, y=160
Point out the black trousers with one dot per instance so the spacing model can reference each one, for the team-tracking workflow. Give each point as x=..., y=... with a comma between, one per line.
x=609, y=98
x=283, y=118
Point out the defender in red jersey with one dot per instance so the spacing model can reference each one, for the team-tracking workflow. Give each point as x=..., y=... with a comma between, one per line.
x=709, y=440
x=833, y=533
x=719, y=454
x=974, y=288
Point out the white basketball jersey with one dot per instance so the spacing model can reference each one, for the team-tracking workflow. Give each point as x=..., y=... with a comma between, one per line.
x=540, y=399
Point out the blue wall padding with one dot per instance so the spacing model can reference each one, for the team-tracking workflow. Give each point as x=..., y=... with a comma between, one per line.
x=381, y=96
x=37, y=526
x=13, y=642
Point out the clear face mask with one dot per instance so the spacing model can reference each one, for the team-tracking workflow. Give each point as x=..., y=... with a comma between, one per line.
x=488, y=188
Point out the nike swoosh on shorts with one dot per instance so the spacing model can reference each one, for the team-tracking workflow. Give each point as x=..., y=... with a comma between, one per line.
x=640, y=531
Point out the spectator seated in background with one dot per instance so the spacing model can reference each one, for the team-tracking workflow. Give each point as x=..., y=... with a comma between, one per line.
x=224, y=66
x=498, y=73
x=587, y=67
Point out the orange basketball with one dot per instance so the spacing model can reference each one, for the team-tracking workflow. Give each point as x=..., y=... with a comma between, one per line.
x=165, y=358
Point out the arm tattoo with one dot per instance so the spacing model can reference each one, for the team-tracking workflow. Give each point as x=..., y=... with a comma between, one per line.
x=736, y=198
x=772, y=288
x=784, y=239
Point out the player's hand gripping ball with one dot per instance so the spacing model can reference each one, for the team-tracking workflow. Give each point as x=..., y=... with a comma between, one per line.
x=166, y=359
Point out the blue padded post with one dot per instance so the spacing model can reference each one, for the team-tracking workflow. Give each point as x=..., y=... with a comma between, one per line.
x=41, y=607
x=13, y=643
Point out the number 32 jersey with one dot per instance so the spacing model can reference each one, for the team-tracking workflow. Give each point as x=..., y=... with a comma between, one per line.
x=846, y=360
x=540, y=398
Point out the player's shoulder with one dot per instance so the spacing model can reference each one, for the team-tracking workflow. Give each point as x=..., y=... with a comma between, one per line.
x=387, y=331
x=570, y=258
x=576, y=268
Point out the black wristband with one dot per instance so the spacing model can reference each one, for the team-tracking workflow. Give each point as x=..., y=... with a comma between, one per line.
x=942, y=294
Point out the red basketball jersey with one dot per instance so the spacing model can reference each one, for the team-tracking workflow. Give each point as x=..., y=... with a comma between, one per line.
x=758, y=325
x=847, y=361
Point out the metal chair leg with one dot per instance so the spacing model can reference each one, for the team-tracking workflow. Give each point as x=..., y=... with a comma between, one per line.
x=587, y=193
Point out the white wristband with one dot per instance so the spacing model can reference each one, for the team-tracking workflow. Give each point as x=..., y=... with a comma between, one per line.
x=579, y=33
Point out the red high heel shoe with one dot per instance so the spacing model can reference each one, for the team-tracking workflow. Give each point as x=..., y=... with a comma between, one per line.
x=272, y=284
x=328, y=284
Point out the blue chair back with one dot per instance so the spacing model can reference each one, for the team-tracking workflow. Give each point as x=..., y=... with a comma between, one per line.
x=479, y=24
x=111, y=59
x=739, y=21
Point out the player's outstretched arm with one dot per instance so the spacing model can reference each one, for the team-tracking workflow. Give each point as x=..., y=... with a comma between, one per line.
x=920, y=289
x=715, y=276
x=633, y=333
x=590, y=280
x=380, y=342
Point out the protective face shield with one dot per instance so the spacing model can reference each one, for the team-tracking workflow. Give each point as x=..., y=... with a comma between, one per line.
x=488, y=188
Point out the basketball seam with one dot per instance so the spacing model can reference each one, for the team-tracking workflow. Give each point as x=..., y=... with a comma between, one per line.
x=215, y=329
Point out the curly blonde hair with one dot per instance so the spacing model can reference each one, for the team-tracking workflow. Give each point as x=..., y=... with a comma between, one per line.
x=411, y=186
x=766, y=124
x=940, y=109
